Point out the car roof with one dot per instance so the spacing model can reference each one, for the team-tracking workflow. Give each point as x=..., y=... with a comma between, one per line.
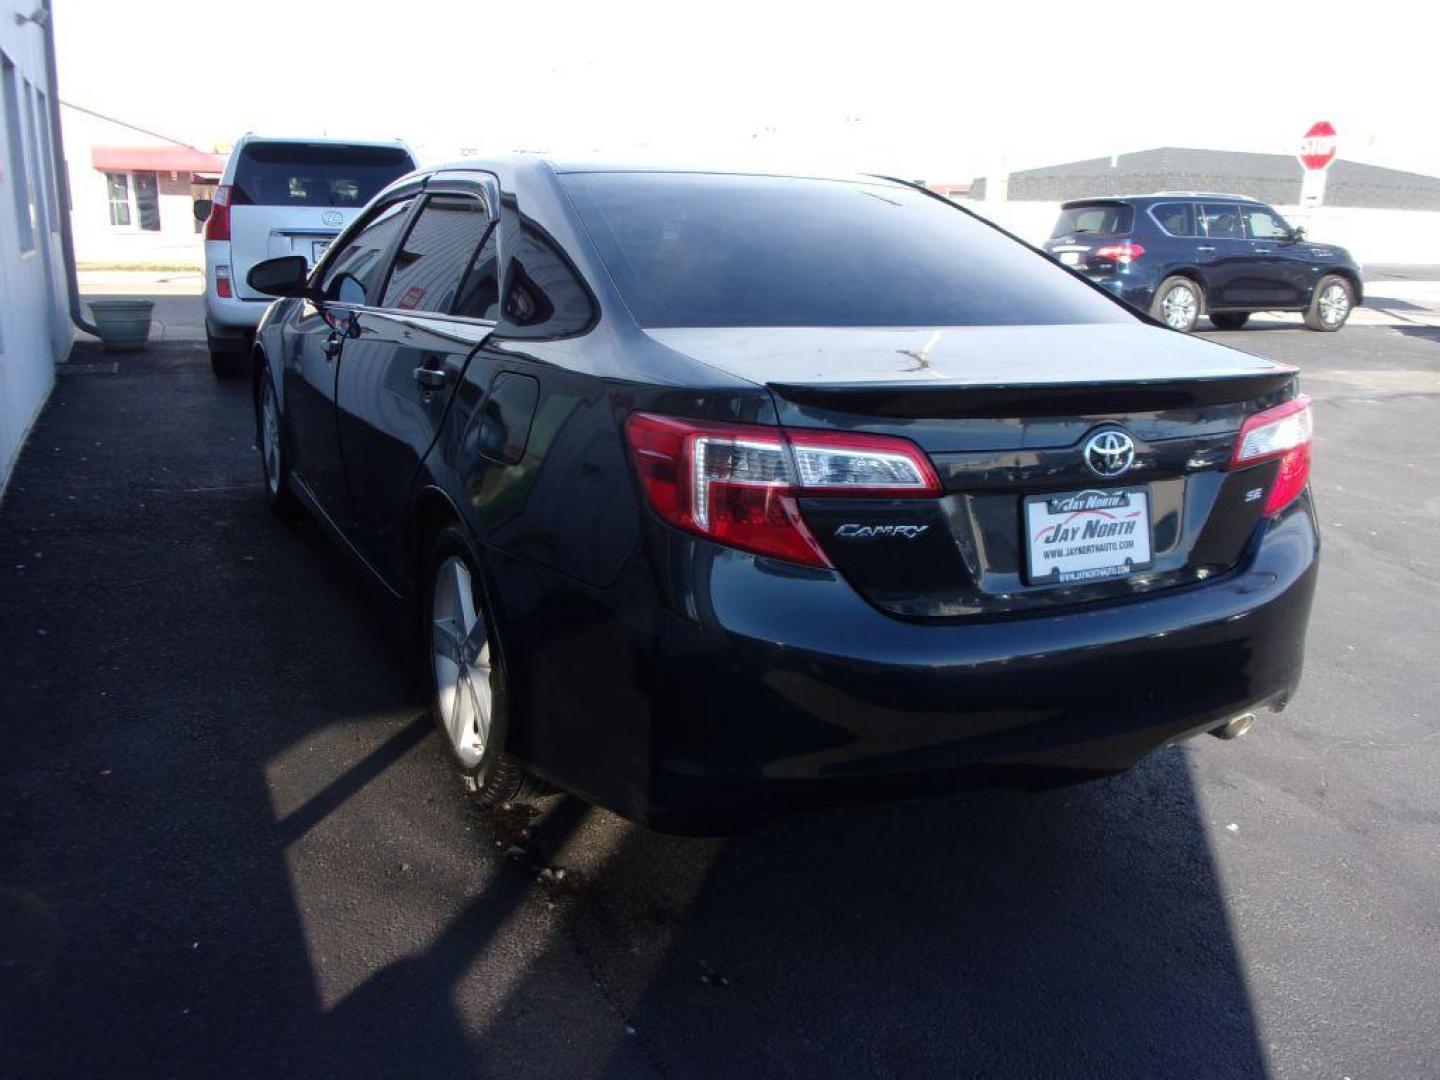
x=309, y=140
x=518, y=164
x=1158, y=196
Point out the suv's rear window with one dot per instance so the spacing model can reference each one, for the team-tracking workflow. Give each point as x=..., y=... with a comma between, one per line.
x=1100, y=219
x=688, y=249
x=314, y=174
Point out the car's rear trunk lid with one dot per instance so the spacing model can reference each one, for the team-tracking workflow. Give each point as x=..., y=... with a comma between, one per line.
x=1010, y=418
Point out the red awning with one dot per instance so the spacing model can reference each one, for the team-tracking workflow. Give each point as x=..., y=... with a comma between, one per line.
x=155, y=159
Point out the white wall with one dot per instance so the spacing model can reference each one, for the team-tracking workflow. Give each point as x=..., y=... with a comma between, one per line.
x=34, y=319
x=1372, y=236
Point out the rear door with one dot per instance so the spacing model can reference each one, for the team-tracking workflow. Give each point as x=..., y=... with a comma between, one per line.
x=1225, y=256
x=294, y=198
x=322, y=330
x=439, y=301
x=1085, y=228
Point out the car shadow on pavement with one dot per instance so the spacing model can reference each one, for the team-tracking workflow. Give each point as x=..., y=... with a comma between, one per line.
x=234, y=845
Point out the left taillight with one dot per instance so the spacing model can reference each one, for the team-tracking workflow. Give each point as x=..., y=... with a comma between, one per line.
x=1124, y=253
x=739, y=484
x=1285, y=433
x=217, y=225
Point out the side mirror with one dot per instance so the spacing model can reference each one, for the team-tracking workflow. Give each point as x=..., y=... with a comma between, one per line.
x=1297, y=233
x=203, y=208
x=287, y=275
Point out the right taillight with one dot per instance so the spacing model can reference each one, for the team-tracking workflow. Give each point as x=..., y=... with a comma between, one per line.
x=1284, y=433
x=217, y=225
x=738, y=484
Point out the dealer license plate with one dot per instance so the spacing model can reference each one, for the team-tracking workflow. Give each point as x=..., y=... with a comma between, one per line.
x=317, y=250
x=1087, y=535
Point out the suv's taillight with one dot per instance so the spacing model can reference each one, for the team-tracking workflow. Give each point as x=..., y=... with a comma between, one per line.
x=1125, y=252
x=217, y=225
x=738, y=484
x=1284, y=432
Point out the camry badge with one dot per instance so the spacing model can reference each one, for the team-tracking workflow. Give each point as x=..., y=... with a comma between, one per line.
x=1109, y=454
x=851, y=531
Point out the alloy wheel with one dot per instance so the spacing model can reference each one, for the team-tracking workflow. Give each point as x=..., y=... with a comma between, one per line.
x=1179, y=308
x=270, y=438
x=460, y=656
x=1334, y=305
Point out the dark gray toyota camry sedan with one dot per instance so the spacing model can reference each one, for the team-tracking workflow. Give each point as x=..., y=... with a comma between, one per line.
x=708, y=495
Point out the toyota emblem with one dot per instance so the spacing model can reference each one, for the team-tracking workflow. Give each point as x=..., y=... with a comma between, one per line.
x=332, y=217
x=1109, y=454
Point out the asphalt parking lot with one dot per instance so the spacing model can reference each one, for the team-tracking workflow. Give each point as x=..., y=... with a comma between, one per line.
x=230, y=843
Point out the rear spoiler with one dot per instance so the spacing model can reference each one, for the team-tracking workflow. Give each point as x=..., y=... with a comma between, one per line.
x=907, y=401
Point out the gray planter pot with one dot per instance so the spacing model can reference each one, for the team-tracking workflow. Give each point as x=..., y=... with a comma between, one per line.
x=124, y=325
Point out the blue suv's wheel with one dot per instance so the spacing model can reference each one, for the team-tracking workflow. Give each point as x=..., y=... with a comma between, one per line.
x=1178, y=304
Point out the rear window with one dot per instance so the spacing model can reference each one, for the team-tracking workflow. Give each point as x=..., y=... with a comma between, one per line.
x=713, y=250
x=1100, y=219
x=314, y=174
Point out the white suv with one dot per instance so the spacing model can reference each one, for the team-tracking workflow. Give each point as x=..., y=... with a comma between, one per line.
x=281, y=197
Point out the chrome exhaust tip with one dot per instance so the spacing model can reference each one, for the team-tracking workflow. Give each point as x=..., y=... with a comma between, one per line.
x=1234, y=727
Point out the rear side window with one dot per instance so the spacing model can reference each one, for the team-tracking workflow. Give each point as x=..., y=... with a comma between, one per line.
x=721, y=250
x=1222, y=221
x=544, y=296
x=314, y=174
x=480, y=291
x=349, y=276
x=1176, y=218
x=428, y=267
x=1101, y=219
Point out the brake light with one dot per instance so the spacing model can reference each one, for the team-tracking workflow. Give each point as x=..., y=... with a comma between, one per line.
x=217, y=225
x=222, y=282
x=738, y=484
x=1125, y=252
x=1285, y=432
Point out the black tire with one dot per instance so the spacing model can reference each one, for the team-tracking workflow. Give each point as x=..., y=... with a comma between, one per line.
x=1192, y=311
x=1322, y=313
x=278, y=492
x=227, y=364
x=1229, y=320
x=496, y=778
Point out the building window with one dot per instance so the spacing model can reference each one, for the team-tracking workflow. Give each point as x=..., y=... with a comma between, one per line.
x=47, y=155
x=19, y=174
x=39, y=182
x=118, y=185
x=147, y=201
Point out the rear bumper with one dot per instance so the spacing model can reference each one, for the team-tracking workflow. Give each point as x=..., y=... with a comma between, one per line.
x=780, y=687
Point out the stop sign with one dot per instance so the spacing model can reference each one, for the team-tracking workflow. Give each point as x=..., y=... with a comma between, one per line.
x=1317, y=148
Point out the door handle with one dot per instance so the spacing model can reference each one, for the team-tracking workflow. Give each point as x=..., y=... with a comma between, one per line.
x=1263, y=251
x=432, y=378
x=331, y=346
x=1205, y=247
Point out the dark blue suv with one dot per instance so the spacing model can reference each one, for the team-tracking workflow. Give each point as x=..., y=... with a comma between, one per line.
x=1183, y=254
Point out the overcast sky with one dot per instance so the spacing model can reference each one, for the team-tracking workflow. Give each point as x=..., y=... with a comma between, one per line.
x=938, y=92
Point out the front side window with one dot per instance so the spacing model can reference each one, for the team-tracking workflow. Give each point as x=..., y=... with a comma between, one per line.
x=430, y=263
x=1264, y=224
x=693, y=249
x=147, y=201
x=1221, y=221
x=1099, y=219
x=314, y=174
x=1177, y=219
x=117, y=187
x=349, y=276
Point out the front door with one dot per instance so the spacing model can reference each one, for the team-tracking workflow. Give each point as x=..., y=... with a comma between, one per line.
x=398, y=374
x=323, y=329
x=1284, y=263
